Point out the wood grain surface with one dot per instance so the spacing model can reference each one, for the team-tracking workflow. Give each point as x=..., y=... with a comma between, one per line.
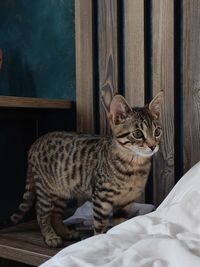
x=24, y=243
x=29, y=102
x=163, y=79
x=134, y=55
x=108, y=52
x=134, y=52
x=191, y=82
x=84, y=66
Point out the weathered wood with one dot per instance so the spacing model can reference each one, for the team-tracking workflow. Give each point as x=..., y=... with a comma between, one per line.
x=29, y=102
x=24, y=243
x=108, y=52
x=163, y=79
x=84, y=66
x=134, y=55
x=191, y=82
x=134, y=51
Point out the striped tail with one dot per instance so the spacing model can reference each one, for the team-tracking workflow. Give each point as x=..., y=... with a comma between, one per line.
x=27, y=201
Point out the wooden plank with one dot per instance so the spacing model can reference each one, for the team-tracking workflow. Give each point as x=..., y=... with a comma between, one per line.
x=21, y=255
x=134, y=55
x=29, y=102
x=191, y=82
x=108, y=52
x=24, y=243
x=134, y=51
x=163, y=79
x=84, y=66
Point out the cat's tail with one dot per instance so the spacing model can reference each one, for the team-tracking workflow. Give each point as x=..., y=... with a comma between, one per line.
x=27, y=200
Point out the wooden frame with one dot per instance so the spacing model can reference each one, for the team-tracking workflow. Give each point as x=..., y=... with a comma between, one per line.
x=191, y=82
x=24, y=243
x=163, y=79
x=134, y=52
x=108, y=53
x=30, y=102
x=84, y=66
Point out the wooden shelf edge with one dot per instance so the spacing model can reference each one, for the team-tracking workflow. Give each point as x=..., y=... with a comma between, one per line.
x=31, y=102
x=20, y=255
x=24, y=243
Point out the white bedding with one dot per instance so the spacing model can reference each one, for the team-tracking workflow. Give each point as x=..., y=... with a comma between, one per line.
x=169, y=236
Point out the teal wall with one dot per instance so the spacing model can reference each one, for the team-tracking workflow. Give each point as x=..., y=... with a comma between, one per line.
x=38, y=42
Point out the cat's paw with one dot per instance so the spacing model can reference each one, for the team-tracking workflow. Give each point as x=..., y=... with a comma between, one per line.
x=100, y=229
x=54, y=241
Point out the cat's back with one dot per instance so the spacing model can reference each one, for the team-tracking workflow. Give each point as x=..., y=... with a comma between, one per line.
x=60, y=144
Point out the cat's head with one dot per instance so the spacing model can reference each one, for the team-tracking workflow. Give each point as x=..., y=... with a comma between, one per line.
x=137, y=129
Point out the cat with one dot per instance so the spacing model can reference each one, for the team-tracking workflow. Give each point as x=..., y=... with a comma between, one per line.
x=111, y=171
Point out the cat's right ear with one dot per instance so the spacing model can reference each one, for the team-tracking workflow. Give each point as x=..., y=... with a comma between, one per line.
x=119, y=110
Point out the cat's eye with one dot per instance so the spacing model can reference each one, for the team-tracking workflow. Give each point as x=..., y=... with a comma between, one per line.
x=157, y=132
x=138, y=134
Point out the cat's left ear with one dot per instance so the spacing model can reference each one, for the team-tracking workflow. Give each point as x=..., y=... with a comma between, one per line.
x=155, y=105
x=119, y=110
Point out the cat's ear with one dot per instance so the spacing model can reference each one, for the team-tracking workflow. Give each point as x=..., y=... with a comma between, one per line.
x=106, y=98
x=155, y=105
x=119, y=110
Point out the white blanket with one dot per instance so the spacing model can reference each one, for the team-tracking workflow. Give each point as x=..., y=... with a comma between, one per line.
x=169, y=236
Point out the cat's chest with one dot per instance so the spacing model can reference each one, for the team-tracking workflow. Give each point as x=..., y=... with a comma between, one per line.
x=129, y=167
x=132, y=187
x=130, y=191
x=134, y=183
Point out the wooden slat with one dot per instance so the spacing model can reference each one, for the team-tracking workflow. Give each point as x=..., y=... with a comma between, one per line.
x=24, y=243
x=134, y=55
x=84, y=66
x=108, y=52
x=29, y=102
x=163, y=78
x=134, y=51
x=191, y=82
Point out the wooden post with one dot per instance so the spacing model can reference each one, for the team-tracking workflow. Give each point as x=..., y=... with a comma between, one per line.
x=134, y=52
x=84, y=66
x=108, y=52
x=191, y=82
x=163, y=79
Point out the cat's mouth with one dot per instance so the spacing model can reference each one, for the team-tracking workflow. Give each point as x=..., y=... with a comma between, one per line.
x=144, y=152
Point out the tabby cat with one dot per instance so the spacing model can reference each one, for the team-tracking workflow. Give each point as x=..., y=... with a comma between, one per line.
x=112, y=171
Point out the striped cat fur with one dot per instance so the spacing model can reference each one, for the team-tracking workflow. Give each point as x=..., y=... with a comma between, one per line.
x=111, y=171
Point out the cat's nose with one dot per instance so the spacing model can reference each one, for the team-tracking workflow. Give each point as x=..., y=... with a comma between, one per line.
x=152, y=147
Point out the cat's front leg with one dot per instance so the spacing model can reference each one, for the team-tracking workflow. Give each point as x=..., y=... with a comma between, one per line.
x=102, y=208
